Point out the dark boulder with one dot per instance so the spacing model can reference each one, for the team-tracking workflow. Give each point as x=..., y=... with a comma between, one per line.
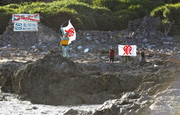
x=57, y=80
x=7, y=70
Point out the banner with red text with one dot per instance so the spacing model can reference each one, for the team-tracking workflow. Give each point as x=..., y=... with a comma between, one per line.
x=25, y=17
x=127, y=50
x=71, y=32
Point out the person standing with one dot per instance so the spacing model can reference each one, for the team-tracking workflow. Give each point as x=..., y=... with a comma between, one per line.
x=127, y=58
x=142, y=56
x=64, y=43
x=111, y=55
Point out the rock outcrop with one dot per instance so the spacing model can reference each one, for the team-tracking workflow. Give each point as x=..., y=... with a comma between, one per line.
x=145, y=27
x=57, y=80
x=167, y=102
x=51, y=80
x=6, y=72
x=129, y=104
x=77, y=112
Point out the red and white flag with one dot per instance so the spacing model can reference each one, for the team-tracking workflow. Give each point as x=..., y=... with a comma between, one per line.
x=25, y=17
x=71, y=32
x=127, y=50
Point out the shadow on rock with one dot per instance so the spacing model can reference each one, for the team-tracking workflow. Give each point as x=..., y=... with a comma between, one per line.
x=6, y=72
x=58, y=81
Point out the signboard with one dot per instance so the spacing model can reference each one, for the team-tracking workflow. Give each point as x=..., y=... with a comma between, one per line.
x=25, y=22
x=25, y=17
x=25, y=26
x=127, y=50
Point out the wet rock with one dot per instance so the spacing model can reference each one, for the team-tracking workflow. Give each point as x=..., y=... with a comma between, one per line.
x=167, y=101
x=76, y=112
x=155, y=65
x=150, y=46
x=1, y=53
x=97, y=42
x=89, y=38
x=145, y=40
x=33, y=47
x=131, y=95
x=144, y=110
x=176, y=49
x=86, y=50
x=103, y=40
x=79, y=47
x=9, y=45
x=169, y=38
x=7, y=70
x=124, y=106
x=104, y=58
x=5, y=47
x=2, y=97
x=167, y=43
x=6, y=54
x=32, y=108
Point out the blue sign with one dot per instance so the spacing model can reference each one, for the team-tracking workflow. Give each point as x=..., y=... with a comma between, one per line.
x=25, y=26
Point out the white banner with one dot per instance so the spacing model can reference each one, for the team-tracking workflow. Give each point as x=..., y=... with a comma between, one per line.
x=25, y=17
x=127, y=50
x=71, y=31
x=25, y=26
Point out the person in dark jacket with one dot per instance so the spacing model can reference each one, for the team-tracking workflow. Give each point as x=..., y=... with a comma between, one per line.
x=111, y=55
x=142, y=56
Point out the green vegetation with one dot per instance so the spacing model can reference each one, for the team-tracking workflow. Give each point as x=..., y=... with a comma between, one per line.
x=53, y=14
x=5, y=15
x=169, y=13
x=86, y=14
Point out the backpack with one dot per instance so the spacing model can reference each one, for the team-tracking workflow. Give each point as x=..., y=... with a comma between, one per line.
x=64, y=42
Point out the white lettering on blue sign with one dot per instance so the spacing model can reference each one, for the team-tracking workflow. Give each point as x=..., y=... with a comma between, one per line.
x=25, y=26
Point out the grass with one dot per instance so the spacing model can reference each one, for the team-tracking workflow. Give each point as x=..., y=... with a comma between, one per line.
x=53, y=14
x=169, y=13
x=89, y=15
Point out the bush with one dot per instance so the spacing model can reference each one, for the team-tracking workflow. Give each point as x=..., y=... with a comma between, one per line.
x=5, y=15
x=6, y=2
x=169, y=13
x=87, y=14
x=127, y=10
x=53, y=14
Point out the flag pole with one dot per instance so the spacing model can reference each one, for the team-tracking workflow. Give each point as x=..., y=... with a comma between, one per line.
x=61, y=27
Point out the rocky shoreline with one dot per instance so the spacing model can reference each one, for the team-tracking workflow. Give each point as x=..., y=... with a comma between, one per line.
x=38, y=73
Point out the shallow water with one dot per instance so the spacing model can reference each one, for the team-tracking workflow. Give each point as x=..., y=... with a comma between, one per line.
x=13, y=106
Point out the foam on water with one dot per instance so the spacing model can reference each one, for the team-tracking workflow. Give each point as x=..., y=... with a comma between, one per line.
x=13, y=106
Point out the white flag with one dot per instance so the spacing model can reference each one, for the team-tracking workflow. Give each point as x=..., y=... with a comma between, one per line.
x=71, y=32
x=127, y=50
